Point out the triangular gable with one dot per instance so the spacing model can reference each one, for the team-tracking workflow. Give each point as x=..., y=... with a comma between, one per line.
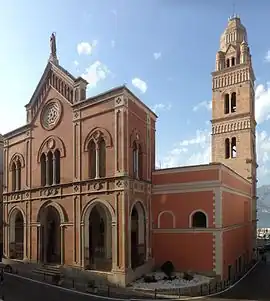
x=60, y=72
x=54, y=76
x=231, y=49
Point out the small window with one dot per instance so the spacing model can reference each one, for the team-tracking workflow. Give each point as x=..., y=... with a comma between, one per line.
x=227, y=148
x=233, y=61
x=233, y=102
x=226, y=104
x=233, y=147
x=228, y=63
x=199, y=220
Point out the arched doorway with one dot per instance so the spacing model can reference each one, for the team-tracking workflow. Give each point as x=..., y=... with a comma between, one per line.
x=98, y=238
x=16, y=235
x=50, y=236
x=138, y=235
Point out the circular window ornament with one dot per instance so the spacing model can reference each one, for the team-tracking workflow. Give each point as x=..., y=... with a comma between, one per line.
x=50, y=115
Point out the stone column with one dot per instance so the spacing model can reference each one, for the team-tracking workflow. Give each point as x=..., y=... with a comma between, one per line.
x=54, y=169
x=114, y=245
x=97, y=161
x=82, y=241
x=39, y=242
x=25, y=240
x=47, y=171
x=137, y=162
x=17, y=178
x=62, y=243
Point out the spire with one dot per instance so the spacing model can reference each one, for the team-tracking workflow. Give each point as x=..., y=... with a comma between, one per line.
x=53, y=55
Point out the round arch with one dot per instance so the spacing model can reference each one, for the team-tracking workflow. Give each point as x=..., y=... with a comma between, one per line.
x=15, y=158
x=52, y=143
x=99, y=132
x=13, y=212
x=198, y=211
x=139, y=205
x=97, y=220
x=61, y=211
x=138, y=234
x=16, y=233
x=169, y=212
x=91, y=204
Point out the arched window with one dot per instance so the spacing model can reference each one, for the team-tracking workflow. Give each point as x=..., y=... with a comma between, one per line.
x=226, y=103
x=92, y=159
x=233, y=148
x=96, y=144
x=135, y=160
x=43, y=169
x=57, y=167
x=233, y=61
x=199, y=220
x=13, y=175
x=140, y=162
x=228, y=63
x=227, y=148
x=49, y=167
x=19, y=175
x=233, y=102
x=16, y=173
x=102, y=158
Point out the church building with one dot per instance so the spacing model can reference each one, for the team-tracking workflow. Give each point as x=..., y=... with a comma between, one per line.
x=81, y=189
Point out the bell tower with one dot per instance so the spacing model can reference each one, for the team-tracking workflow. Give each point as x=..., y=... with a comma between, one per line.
x=233, y=105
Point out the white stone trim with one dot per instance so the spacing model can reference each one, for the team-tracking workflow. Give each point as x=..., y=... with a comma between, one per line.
x=166, y=211
x=218, y=253
x=187, y=169
x=195, y=211
x=188, y=185
x=199, y=230
x=217, y=203
x=235, y=191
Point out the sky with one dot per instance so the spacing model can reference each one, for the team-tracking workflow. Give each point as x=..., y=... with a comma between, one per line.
x=163, y=50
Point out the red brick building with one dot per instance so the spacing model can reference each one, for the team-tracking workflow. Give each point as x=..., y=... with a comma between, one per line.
x=81, y=189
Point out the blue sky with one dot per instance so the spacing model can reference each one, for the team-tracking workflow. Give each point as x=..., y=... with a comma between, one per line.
x=165, y=47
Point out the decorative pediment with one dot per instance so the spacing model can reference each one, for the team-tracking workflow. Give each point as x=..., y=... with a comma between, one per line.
x=230, y=50
x=58, y=78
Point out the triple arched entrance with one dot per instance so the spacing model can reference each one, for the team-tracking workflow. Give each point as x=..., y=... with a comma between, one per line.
x=99, y=238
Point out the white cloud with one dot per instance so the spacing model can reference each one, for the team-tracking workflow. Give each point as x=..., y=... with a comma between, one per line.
x=157, y=55
x=267, y=56
x=192, y=151
x=161, y=107
x=197, y=150
x=76, y=63
x=95, y=73
x=204, y=104
x=262, y=102
x=139, y=84
x=113, y=43
x=86, y=48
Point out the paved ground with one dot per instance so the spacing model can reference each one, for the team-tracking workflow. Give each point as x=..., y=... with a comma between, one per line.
x=17, y=289
x=256, y=286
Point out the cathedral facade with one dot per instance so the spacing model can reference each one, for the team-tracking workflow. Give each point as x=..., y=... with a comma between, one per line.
x=81, y=188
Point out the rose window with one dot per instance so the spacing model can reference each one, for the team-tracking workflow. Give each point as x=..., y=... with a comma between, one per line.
x=51, y=115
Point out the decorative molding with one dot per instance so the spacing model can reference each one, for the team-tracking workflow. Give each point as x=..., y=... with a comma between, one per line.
x=96, y=134
x=51, y=143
